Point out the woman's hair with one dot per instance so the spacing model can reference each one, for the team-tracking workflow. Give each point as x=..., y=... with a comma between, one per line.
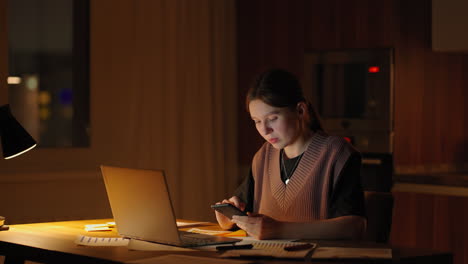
x=280, y=88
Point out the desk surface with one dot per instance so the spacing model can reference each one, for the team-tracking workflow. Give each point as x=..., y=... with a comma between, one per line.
x=54, y=243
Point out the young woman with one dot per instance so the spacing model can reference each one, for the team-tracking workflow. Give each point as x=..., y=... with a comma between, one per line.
x=303, y=183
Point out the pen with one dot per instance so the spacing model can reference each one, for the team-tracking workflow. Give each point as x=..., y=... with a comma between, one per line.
x=298, y=247
x=246, y=246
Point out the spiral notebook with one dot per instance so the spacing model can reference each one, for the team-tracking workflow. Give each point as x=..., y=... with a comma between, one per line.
x=271, y=248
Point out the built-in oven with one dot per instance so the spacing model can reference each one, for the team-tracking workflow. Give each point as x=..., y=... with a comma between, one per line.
x=352, y=90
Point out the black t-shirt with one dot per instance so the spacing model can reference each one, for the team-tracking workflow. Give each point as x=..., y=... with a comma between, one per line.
x=346, y=199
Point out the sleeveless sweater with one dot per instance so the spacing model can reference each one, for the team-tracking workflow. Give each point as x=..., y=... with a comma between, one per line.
x=305, y=197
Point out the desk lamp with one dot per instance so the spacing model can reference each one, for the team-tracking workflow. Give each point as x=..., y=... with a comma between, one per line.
x=15, y=140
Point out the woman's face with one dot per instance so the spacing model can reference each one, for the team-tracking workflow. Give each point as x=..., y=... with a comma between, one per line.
x=278, y=125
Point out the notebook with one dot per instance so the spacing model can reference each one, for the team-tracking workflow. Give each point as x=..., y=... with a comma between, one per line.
x=142, y=208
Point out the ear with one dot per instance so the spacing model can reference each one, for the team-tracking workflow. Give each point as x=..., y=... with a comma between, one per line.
x=301, y=108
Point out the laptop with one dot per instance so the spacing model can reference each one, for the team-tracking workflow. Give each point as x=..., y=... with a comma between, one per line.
x=142, y=208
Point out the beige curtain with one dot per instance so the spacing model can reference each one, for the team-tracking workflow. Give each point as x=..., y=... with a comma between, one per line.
x=164, y=94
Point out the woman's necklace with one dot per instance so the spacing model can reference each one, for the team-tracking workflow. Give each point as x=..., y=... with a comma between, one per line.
x=288, y=174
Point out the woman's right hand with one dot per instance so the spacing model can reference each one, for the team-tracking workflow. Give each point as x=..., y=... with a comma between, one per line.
x=223, y=221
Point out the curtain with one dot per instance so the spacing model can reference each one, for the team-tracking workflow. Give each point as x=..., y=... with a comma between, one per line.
x=164, y=93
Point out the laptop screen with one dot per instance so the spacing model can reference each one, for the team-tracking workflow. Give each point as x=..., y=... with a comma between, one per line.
x=141, y=204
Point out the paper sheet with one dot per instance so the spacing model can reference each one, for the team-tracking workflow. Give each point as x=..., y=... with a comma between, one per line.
x=100, y=227
x=188, y=224
x=101, y=241
x=237, y=233
x=110, y=225
x=177, y=259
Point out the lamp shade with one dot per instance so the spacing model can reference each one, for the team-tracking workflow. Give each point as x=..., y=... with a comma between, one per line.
x=15, y=139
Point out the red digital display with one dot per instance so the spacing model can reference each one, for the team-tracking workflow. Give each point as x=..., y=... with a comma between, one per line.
x=374, y=69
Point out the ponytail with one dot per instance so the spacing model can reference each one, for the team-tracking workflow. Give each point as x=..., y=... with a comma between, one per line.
x=315, y=123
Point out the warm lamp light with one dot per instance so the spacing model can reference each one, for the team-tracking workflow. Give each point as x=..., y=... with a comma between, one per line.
x=15, y=139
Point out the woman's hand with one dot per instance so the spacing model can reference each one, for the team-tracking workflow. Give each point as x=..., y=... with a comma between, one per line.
x=223, y=221
x=259, y=226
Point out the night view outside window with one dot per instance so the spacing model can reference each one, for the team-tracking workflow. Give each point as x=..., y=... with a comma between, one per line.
x=49, y=70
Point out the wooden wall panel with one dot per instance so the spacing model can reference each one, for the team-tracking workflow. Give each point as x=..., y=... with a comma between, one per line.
x=429, y=97
x=409, y=85
x=431, y=221
x=349, y=24
x=83, y=197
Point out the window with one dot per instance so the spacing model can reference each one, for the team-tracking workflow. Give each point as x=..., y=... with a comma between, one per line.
x=49, y=69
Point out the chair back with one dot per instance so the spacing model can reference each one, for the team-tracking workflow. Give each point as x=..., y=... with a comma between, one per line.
x=379, y=211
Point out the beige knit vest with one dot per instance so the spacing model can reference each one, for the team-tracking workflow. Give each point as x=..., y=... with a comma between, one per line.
x=305, y=197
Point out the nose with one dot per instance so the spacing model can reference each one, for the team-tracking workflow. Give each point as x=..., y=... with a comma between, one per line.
x=265, y=129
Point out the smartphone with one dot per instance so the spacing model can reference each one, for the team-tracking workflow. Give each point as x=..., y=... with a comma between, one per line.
x=228, y=210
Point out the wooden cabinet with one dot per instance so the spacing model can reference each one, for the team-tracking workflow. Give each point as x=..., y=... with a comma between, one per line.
x=431, y=217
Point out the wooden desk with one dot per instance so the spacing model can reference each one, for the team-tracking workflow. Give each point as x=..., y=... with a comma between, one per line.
x=54, y=243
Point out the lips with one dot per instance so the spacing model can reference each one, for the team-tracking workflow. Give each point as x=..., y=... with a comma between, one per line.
x=273, y=140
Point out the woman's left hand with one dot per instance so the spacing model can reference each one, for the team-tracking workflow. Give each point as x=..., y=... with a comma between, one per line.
x=259, y=226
